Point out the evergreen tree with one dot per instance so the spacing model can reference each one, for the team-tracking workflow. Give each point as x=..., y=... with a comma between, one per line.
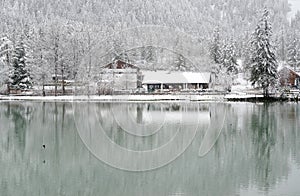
x=5, y=50
x=228, y=67
x=229, y=59
x=148, y=54
x=61, y=53
x=179, y=63
x=215, y=49
x=295, y=22
x=216, y=56
x=19, y=76
x=6, y=47
x=263, y=61
x=293, y=53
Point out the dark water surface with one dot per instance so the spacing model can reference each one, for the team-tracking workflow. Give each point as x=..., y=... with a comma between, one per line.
x=44, y=152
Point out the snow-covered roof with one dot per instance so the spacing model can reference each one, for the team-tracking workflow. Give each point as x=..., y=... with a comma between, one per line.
x=166, y=77
x=297, y=72
x=118, y=64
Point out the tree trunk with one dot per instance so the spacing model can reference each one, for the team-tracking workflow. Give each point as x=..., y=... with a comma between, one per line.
x=8, y=88
x=44, y=94
x=266, y=92
x=55, y=62
x=62, y=79
x=55, y=81
x=89, y=64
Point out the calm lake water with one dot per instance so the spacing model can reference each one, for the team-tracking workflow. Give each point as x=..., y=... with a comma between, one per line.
x=92, y=149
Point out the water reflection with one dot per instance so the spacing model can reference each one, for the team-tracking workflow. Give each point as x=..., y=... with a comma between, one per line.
x=258, y=147
x=119, y=141
x=147, y=126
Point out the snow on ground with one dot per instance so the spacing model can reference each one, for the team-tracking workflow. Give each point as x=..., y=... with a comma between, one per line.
x=242, y=86
x=242, y=96
x=241, y=90
x=118, y=98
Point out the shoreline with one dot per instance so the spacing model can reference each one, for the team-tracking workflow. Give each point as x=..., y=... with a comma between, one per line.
x=153, y=98
x=116, y=98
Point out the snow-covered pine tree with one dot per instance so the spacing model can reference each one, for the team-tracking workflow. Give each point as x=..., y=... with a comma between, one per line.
x=293, y=53
x=180, y=63
x=228, y=68
x=20, y=76
x=229, y=59
x=215, y=49
x=6, y=47
x=148, y=54
x=216, y=56
x=263, y=60
x=295, y=22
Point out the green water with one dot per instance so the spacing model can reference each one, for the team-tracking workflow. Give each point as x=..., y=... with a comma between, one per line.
x=56, y=148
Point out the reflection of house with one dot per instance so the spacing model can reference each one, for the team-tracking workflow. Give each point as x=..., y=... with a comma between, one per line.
x=165, y=113
x=289, y=77
x=119, y=76
x=175, y=81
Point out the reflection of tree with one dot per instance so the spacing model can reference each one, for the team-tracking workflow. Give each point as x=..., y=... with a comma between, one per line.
x=253, y=151
x=254, y=147
x=263, y=128
x=272, y=143
x=290, y=123
x=139, y=113
x=19, y=114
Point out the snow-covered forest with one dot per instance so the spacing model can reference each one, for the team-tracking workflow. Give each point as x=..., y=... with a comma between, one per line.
x=43, y=38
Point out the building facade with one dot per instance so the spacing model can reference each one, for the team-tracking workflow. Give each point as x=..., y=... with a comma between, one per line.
x=289, y=77
x=119, y=77
x=165, y=81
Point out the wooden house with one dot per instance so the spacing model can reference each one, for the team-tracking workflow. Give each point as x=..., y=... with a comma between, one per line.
x=119, y=77
x=289, y=77
x=164, y=81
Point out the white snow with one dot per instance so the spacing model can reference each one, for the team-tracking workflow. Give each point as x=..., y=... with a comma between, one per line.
x=241, y=85
x=167, y=77
x=119, y=98
x=242, y=96
x=295, y=6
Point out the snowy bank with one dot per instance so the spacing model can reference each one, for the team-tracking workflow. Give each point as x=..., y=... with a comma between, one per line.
x=119, y=98
x=167, y=97
x=243, y=96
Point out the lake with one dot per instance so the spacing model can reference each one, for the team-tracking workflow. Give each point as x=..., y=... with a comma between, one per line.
x=155, y=148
